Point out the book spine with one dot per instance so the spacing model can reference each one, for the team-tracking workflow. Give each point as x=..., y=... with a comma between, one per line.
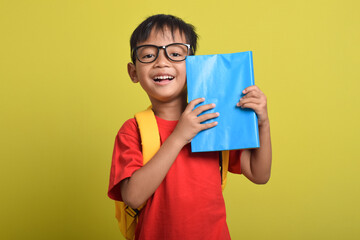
x=251, y=67
x=253, y=83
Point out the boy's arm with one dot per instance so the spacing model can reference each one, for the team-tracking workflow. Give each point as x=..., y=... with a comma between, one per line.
x=143, y=183
x=256, y=163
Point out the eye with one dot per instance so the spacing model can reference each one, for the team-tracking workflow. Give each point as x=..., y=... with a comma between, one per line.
x=147, y=56
x=177, y=51
x=175, y=54
x=147, y=53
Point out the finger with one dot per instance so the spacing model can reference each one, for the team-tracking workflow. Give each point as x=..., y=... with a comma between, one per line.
x=258, y=96
x=252, y=94
x=253, y=106
x=251, y=88
x=208, y=125
x=207, y=116
x=203, y=108
x=193, y=103
x=249, y=100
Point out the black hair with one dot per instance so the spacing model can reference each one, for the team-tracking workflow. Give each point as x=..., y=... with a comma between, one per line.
x=159, y=22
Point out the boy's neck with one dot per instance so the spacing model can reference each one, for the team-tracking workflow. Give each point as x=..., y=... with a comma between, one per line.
x=169, y=110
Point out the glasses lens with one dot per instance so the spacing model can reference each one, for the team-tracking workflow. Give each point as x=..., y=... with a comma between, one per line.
x=177, y=52
x=146, y=53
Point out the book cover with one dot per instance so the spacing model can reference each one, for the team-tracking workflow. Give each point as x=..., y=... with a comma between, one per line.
x=220, y=79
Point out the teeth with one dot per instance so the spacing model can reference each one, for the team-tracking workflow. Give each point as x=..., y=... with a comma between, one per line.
x=163, y=77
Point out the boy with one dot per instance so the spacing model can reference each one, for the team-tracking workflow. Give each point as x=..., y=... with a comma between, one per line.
x=182, y=190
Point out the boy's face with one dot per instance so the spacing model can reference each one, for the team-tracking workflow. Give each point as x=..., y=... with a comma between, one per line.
x=163, y=80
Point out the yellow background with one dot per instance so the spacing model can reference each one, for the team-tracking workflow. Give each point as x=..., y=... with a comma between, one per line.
x=64, y=93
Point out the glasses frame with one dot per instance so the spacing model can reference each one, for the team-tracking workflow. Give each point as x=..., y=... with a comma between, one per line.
x=188, y=46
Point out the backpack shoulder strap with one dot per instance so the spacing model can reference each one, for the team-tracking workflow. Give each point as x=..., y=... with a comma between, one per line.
x=150, y=141
x=224, y=167
x=149, y=133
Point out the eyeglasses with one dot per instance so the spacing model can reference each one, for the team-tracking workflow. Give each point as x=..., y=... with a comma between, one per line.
x=176, y=52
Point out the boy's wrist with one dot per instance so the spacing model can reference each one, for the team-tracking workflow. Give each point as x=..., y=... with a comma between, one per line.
x=176, y=141
x=264, y=123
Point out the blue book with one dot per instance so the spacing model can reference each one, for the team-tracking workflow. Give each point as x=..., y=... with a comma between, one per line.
x=220, y=79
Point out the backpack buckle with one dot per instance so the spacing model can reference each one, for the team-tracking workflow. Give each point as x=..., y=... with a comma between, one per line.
x=131, y=212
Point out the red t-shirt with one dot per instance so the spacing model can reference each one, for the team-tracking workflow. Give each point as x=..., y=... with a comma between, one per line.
x=189, y=203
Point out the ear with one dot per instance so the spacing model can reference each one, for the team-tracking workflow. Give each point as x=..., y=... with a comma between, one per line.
x=132, y=72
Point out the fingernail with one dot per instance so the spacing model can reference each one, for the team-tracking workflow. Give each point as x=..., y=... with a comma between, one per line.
x=244, y=91
x=218, y=113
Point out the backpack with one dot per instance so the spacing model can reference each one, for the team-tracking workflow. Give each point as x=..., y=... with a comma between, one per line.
x=150, y=140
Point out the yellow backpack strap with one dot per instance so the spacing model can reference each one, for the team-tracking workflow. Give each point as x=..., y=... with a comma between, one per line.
x=127, y=223
x=150, y=141
x=224, y=167
x=149, y=132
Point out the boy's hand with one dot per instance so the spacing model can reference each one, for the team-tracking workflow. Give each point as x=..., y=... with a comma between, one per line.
x=255, y=99
x=190, y=122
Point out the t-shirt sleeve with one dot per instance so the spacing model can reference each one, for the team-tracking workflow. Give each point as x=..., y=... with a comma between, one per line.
x=234, y=161
x=127, y=157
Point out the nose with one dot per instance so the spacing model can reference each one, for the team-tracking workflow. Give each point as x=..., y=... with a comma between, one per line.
x=162, y=60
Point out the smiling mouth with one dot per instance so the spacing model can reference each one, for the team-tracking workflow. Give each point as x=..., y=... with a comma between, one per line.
x=163, y=78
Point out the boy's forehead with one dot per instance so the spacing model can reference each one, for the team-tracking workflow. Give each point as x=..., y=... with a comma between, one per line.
x=164, y=35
